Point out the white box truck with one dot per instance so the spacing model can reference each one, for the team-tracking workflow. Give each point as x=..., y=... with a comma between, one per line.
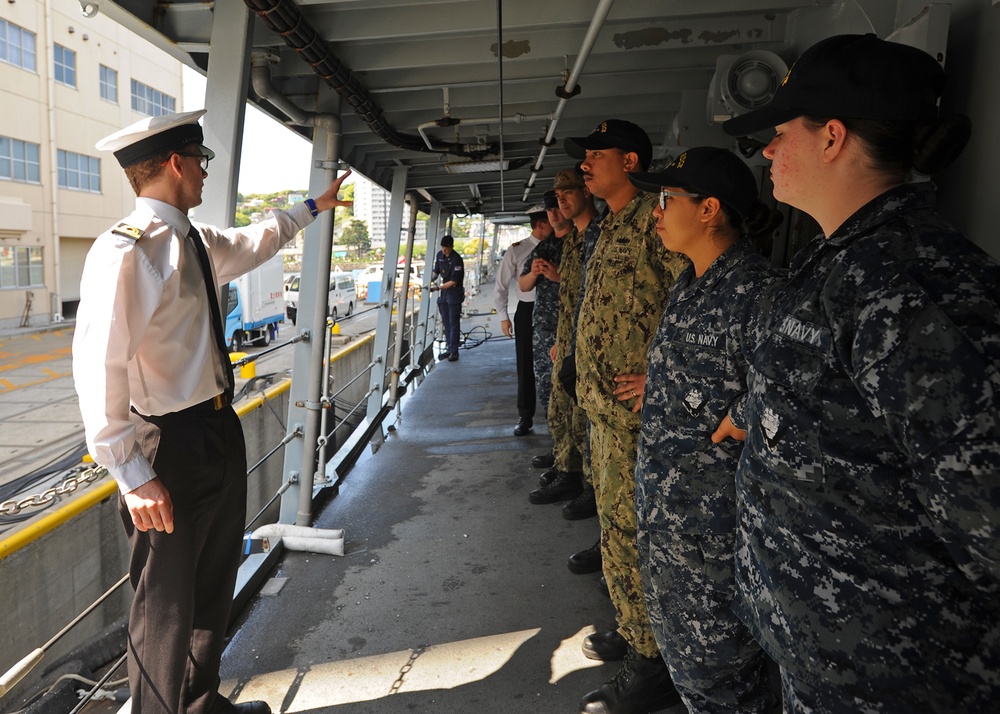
x=256, y=305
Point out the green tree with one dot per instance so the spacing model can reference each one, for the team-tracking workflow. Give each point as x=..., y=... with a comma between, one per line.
x=356, y=234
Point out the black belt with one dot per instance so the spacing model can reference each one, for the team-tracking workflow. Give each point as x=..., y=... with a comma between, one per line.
x=215, y=404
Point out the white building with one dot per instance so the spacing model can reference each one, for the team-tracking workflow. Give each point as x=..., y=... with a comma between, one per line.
x=371, y=205
x=61, y=94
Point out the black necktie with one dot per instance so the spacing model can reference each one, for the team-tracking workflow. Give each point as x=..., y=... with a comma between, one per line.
x=213, y=303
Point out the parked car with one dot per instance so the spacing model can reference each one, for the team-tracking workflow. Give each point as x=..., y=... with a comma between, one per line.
x=343, y=295
x=369, y=274
x=292, y=297
x=341, y=300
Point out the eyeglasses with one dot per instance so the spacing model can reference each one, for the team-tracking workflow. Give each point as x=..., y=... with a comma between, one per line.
x=665, y=194
x=203, y=159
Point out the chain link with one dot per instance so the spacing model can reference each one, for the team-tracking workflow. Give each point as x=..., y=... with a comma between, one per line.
x=71, y=484
x=405, y=669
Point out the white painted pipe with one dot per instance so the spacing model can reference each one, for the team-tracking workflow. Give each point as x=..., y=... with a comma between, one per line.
x=283, y=530
x=327, y=546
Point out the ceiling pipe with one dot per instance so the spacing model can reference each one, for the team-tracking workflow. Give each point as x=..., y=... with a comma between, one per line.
x=260, y=78
x=570, y=89
x=449, y=121
x=285, y=19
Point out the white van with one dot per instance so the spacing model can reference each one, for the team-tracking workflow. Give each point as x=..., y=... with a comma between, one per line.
x=342, y=298
x=343, y=295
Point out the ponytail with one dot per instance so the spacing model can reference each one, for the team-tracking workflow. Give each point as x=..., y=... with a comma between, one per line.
x=897, y=148
x=759, y=225
x=938, y=142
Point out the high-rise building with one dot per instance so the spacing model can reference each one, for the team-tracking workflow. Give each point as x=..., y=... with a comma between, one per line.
x=61, y=93
x=371, y=205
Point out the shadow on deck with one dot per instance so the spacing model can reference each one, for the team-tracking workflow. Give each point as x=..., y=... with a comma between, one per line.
x=453, y=594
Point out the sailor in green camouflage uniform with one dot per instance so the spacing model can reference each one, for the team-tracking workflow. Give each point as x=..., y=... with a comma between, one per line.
x=577, y=205
x=628, y=281
x=870, y=483
x=565, y=480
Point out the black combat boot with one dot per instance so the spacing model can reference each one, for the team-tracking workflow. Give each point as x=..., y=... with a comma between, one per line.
x=586, y=561
x=583, y=506
x=547, y=477
x=607, y=646
x=641, y=686
x=564, y=487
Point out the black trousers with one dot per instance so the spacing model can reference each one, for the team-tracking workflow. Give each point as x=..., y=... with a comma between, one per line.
x=526, y=395
x=184, y=581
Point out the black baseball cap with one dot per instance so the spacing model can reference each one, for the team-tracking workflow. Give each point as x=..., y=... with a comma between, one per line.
x=707, y=170
x=447, y=242
x=612, y=134
x=549, y=199
x=853, y=77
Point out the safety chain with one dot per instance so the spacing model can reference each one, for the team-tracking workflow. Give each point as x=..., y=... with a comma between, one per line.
x=12, y=508
x=405, y=669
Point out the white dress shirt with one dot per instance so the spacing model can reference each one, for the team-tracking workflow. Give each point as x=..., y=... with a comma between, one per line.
x=510, y=269
x=143, y=330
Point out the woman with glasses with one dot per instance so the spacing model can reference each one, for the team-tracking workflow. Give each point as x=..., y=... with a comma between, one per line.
x=870, y=483
x=685, y=474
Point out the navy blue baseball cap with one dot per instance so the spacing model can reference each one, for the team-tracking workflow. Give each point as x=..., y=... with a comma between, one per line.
x=612, y=134
x=707, y=170
x=851, y=77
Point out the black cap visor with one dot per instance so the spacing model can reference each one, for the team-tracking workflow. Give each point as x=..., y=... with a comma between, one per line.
x=759, y=120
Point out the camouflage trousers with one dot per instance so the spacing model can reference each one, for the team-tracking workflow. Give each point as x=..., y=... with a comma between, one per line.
x=690, y=583
x=613, y=448
x=541, y=343
x=568, y=427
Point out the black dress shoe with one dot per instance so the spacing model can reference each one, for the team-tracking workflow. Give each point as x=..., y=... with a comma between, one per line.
x=543, y=461
x=453, y=357
x=254, y=707
x=564, y=487
x=444, y=354
x=523, y=427
x=586, y=561
x=642, y=685
x=224, y=706
x=547, y=477
x=583, y=506
x=607, y=646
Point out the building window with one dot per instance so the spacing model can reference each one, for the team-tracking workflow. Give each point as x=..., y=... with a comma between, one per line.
x=65, y=66
x=17, y=46
x=153, y=102
x=21, y=267
x=79, y=172
x=109, y=84
x=19, y=161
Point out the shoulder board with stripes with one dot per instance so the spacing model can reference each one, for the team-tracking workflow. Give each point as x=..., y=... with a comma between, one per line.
x=124, y=229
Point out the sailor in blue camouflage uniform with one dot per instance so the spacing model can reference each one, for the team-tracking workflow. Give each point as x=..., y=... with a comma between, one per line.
x=541, y=273
x=685, y=485
x=870, y=483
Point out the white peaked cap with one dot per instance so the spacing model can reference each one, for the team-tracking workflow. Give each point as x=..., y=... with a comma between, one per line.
x=153, y=135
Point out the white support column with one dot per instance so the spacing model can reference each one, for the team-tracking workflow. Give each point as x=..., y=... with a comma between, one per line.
x=307, y=390
x=380, y=352
x=427, y=316
x=225, y=100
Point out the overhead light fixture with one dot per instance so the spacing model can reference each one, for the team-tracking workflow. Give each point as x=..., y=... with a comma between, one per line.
x=476, y=167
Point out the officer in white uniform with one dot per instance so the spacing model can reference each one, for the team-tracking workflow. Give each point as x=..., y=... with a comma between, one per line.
x=155, y=384
x=520, y=328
